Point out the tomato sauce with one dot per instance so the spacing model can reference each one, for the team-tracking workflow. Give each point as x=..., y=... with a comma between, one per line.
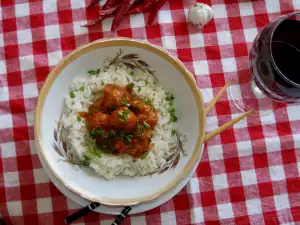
x=120, y=122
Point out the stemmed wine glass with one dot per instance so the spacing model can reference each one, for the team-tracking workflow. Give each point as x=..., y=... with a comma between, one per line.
x=274, y=68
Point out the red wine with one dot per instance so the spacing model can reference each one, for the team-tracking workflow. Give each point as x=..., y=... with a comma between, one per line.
x=285, y=49
x=275, y=61
x=287, y=59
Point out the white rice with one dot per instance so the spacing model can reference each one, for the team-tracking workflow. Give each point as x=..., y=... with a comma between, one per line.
x=109, y=165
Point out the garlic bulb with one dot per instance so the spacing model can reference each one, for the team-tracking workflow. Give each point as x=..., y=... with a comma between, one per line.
x=200, y=14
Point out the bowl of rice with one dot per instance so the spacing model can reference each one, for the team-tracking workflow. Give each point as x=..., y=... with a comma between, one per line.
x=86, y=155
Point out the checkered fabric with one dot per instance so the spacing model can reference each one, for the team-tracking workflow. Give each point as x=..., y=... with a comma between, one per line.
x=248, y=175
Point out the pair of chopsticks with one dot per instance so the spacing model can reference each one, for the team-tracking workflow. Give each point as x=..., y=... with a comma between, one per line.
x=82, y=212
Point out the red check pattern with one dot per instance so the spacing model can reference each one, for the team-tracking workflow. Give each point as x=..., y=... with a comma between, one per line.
x=248, y=175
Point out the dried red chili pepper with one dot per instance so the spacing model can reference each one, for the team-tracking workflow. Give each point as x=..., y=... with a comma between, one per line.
x=108, y=11
x=111, y=3
x=121, y=11
x=153, y=13
x=138, y=8
x=144, y=6
x=103, y=15
x=149, y=4
x=93, y=2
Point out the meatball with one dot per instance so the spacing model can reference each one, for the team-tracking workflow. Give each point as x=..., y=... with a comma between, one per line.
x=138, y=147
x=123, y=119
x=119, y=145
x=96, y=107
x=145, y=113
x=115, y=96
x=98, y=119
x=141, y=132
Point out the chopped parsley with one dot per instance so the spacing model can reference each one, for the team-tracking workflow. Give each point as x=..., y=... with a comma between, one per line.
x=139, y=89
x=170, y=98
x=146, y=125
x=123, y=115
x=102, y=82
x=128, y=137
x=149, y=103
x=125, y=102
x=78, y=118
x=173, y=132
x=173, y=118
x=94, y=72
x=131, y=73
x=81, y=89
x=144, y=155
x=130, y=86
x=72, y=95
x=97, y=131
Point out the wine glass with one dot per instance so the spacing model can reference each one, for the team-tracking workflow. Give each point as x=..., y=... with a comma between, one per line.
x=274, y=74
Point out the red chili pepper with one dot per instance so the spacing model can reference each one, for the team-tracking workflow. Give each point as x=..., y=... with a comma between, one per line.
x=111, y=3
x=108, y=11
x=144, y=6
x=149, y=4
x=103, y=15
x=122, y=9
x=138, y=8
x=153, y=13
x=93, y=2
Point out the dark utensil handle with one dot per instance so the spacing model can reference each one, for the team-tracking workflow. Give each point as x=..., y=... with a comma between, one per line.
x=2, y=222
x=120, y=218
x=81, y=212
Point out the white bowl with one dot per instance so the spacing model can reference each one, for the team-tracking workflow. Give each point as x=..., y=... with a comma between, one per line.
x=172, y=76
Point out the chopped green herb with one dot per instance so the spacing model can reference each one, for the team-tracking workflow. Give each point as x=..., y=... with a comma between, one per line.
x=172, y=110
x=81, y=89
x=72, y=95
x=120, y=114
x=102, y=82
x=144, y=155
x=94, y=72
x=146, y=125
x=125, y=102
x=126, y=113
x=130, y=86
x=127, y=79
x=173, y=132
x=173, y=118
x=131, y=73
x=170, y=98
x=128, y=137
x=149, y=103
x=123, y=120
x=73, y=103
x=78, y=118
x=139, y=89
x=97, y=131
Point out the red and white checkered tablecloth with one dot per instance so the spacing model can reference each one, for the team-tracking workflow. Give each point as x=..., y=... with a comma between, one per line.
x=248, y=175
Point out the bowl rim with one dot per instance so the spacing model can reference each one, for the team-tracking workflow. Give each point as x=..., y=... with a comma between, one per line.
x=109, y=42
